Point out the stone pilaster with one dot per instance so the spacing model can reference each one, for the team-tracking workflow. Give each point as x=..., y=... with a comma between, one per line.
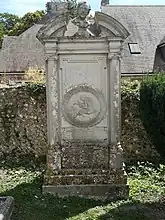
x=116, y=151
x=54, y=149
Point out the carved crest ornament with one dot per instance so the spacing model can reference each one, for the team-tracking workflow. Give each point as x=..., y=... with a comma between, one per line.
x=84, y=106
x=82, y=26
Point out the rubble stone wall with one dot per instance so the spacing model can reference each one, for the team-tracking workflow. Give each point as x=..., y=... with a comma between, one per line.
x=23, y=122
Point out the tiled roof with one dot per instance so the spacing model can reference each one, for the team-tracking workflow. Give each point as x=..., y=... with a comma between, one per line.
x=20, y=53
x=8, y=40
x=146, y=27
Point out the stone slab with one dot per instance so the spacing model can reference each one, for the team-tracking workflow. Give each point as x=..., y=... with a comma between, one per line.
x=6, y=207
x=97, y=192
x=84, y=179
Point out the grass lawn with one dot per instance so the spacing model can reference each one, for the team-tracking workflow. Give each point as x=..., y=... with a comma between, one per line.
x=23, y=181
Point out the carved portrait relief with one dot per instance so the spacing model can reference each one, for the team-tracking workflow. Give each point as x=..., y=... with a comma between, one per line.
x=84, y=106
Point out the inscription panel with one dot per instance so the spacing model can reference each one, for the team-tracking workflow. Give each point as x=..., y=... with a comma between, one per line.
x=83, y=69
x=83, y=92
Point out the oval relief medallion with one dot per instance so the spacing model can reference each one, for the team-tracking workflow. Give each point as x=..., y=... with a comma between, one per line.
x=84, y=106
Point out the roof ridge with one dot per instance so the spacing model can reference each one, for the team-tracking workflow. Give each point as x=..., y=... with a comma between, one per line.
x=134, y=6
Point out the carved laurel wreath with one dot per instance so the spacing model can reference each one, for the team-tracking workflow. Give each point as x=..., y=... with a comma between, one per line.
x=73, y=120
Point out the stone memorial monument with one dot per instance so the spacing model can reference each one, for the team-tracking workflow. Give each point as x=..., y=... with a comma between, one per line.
x=83, y=105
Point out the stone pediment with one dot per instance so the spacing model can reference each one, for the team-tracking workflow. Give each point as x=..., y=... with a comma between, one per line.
x=104, y=26
x=56, y=26
x=110, y=26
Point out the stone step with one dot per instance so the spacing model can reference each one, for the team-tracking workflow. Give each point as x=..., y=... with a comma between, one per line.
x=84, y=179
x=103, y=192
x=87, y=172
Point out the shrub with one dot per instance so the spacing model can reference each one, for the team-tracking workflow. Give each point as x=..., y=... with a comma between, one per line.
x=152, y=109
x=3, y=80
x=35, y=76
x=130, y=86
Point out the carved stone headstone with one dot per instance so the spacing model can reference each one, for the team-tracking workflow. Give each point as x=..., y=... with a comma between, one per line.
x=83, y=107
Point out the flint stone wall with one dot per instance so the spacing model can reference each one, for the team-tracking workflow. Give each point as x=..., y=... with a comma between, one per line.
x=23, y=127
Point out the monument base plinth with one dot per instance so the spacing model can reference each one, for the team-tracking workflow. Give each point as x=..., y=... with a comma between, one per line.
x=97, y=192
x=85, y=177
x=87, y=183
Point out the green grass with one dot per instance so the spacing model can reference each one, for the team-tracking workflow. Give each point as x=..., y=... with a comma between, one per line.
x=23, y=181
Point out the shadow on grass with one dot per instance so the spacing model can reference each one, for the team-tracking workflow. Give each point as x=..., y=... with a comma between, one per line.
x=31, y=204
x=136, y=211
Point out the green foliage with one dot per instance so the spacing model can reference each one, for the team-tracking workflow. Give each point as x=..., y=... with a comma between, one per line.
x=152, y=109
x=28, y=20
x=147, y=182
x=130, y=89
x=13, y=25
x=36, y=81
x=129, y=86
x=35, y=90
x=35, y=76
x=147, y=188
x=7, y=22
x=2, y=32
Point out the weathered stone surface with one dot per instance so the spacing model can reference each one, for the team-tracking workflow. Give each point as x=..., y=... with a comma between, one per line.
x=23, y=127
x=66, y=178
x=6, y=207
x=22, y=121
x=101, y=192
x=85, y=155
